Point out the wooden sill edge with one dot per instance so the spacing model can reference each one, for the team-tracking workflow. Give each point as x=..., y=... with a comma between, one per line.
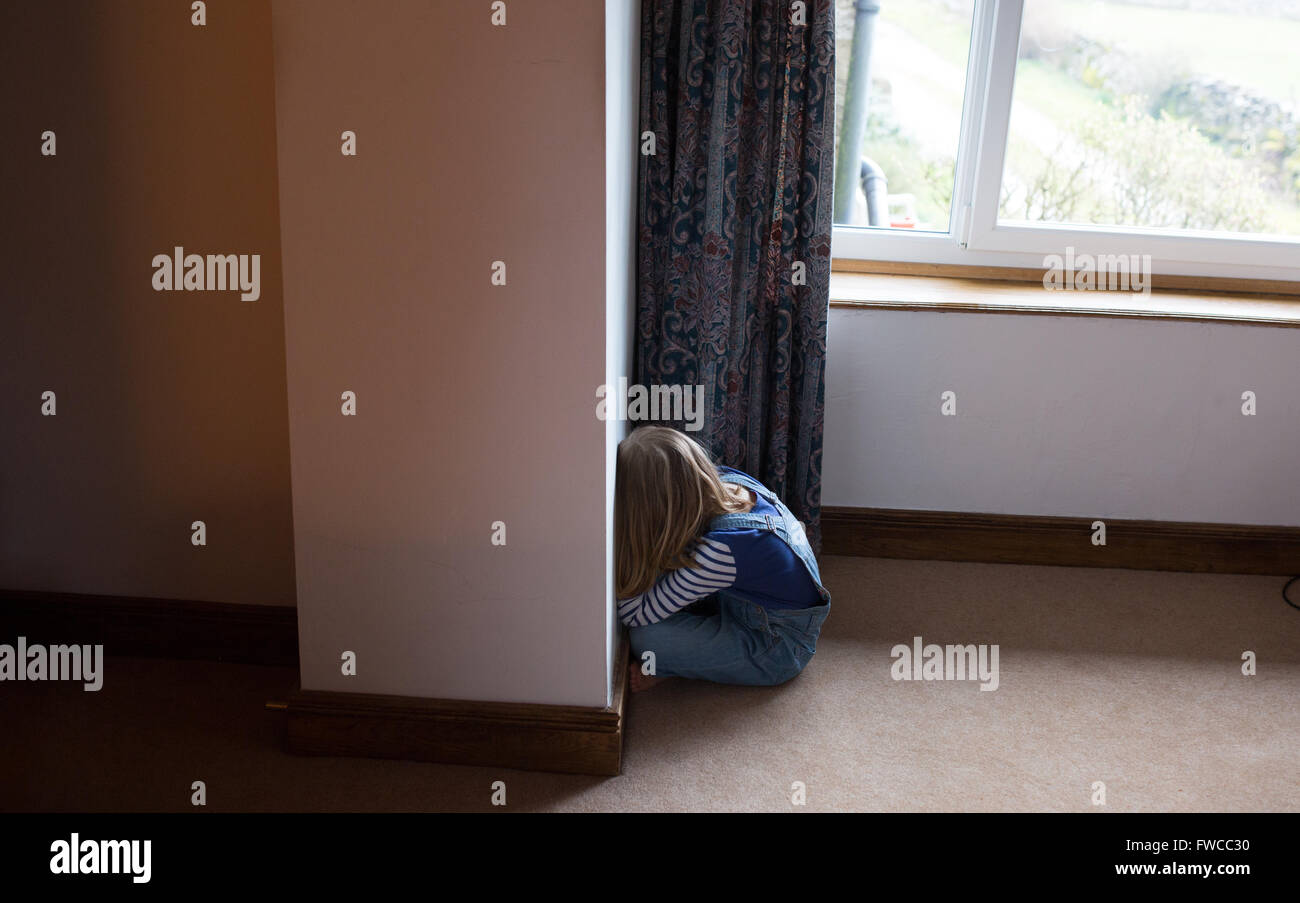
x=1194, y=284
x=982, y=294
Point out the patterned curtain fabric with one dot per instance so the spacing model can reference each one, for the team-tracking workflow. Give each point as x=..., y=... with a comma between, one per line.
x=734, y=217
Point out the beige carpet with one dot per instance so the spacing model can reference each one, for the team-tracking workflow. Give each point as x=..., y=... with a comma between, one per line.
x=1132, y=678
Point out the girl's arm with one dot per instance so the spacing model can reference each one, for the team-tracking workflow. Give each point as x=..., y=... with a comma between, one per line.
x=715, y=569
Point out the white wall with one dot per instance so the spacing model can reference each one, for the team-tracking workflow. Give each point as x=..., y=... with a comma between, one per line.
x=476, y=403
x=622, y=114
x=1069, y=416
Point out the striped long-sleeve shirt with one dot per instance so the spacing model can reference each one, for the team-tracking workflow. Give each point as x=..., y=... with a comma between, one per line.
x=715, y=569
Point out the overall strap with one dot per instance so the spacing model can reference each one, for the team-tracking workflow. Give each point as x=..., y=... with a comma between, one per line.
x=750, y=483
x=746, y=520
x=743, y=520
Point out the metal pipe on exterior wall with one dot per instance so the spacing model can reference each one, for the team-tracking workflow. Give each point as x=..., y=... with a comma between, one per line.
x=856, y=105
x=875, y=186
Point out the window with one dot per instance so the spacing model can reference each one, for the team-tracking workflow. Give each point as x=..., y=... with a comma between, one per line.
x=999, y=132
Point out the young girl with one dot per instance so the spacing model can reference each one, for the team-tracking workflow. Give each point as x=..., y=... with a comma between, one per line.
x=714, y=574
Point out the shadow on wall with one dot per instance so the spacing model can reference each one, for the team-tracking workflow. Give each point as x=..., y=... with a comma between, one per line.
x=170, y=405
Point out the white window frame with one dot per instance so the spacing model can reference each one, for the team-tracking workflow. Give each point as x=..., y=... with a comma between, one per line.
x=976, y=238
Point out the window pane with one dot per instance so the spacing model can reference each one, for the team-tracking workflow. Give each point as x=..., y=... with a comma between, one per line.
x=1157, y=114
x=901, y=75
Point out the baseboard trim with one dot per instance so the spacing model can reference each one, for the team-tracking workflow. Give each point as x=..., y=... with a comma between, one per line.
x=1066, y=541
x=567, y=739
x=154, y=628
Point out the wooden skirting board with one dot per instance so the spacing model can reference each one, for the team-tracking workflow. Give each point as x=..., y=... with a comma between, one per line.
x=568, y=739
x=1018, y=539
x=154, y=628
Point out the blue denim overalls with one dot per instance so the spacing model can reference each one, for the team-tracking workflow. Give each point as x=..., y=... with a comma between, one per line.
x=743, y=642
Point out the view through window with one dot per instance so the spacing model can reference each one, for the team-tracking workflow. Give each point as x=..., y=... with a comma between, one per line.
x=1159, y=114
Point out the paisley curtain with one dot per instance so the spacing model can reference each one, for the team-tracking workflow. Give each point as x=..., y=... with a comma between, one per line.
x=734, y=217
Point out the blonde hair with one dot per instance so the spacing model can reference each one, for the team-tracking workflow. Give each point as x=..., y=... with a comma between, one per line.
x=666, y=492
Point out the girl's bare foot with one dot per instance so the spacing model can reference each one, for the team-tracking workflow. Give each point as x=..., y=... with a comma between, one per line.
x=636, y=681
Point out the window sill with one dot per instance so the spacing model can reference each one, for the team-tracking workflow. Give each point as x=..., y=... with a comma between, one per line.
x=909, y=292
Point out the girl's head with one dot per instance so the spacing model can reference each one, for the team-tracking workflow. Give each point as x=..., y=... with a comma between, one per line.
x=666, y=492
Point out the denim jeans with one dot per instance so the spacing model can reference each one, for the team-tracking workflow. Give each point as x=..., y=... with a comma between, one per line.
x=742, y=642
